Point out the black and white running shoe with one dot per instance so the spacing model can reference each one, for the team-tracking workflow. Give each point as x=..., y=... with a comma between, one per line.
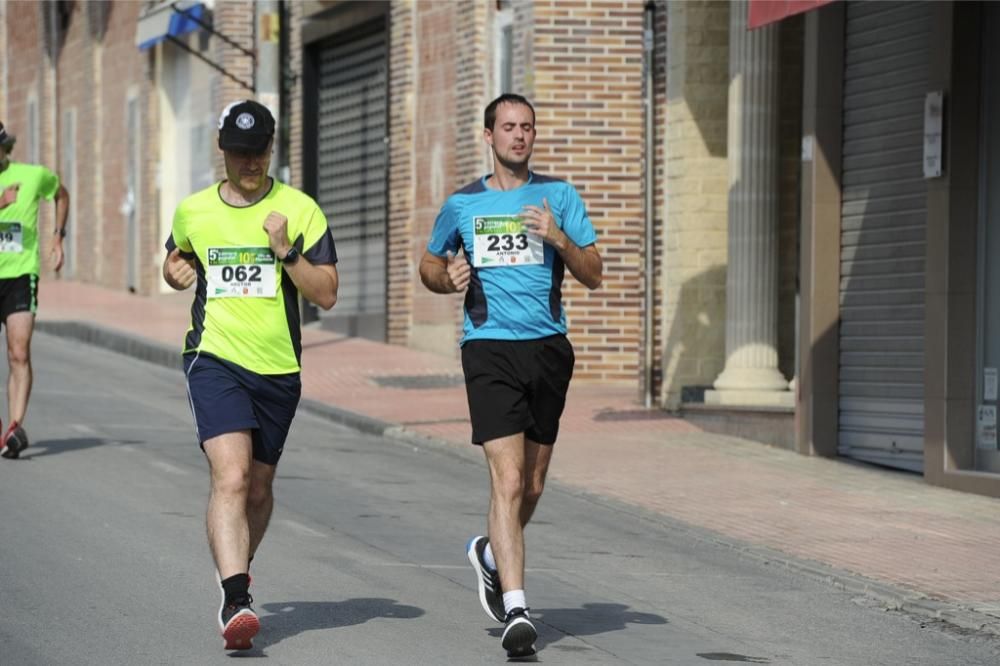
x=238, y=621
x=239, y=624
x=487, y=580
x=15, y=441
x=519, y=635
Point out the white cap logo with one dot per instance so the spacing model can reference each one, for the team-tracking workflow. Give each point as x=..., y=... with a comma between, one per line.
x=244, y=121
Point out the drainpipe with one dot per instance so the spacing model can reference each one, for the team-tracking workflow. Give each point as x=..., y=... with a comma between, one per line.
x=648, y=94
x=268, y=74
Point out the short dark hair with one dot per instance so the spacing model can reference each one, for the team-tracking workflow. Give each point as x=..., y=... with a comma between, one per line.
x=490, y=117
x=6, y=139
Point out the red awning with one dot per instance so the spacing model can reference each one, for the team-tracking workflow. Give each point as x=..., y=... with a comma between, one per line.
x=763, y=12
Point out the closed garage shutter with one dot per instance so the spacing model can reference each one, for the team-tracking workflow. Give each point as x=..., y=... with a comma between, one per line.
x=883, y=218
x=351, y=174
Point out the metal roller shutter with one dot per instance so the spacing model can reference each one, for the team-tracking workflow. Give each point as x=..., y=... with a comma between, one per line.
x=883, y=218
x=351, y=169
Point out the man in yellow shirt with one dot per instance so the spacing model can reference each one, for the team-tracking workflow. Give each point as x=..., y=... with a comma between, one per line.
x=251, y=245
x=22, y=186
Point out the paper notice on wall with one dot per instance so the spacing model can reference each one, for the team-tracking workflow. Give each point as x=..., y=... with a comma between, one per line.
x=989, y=384
x=986, y=427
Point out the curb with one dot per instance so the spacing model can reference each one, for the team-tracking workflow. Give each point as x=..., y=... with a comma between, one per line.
x=891, y=597
x=114, y=340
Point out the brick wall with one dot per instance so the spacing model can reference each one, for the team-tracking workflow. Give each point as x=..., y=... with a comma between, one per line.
x=694, y=257
x=588, y=93
x=4, y=62
x=25, y=35
x=97, y=68
x=473, y=91
x=473, y=84
x=77, y=83
x=294, y=27
x=121, y=71
x=234, y=19
x=404, y=245
x=100, y=69
x=436, y=26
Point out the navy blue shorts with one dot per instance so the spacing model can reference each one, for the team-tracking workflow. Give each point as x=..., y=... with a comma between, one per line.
x=228, y=398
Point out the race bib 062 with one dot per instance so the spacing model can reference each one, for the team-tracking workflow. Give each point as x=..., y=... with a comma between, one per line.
x=501, y=240
x=241, y=272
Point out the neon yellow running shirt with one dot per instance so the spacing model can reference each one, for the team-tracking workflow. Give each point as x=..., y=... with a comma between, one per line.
x=19, y=220
x=246, y=308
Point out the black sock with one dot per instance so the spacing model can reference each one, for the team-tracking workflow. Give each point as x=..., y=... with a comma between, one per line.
x=237, y=588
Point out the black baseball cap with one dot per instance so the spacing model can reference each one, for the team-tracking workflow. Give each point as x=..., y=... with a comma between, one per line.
x=6, y=139
x=245, y=126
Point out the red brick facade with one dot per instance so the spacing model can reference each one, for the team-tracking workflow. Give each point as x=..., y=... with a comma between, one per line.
x=403, y=244
x=579, y=61
x=86, y=82
x=588, y=95
x=590, y=133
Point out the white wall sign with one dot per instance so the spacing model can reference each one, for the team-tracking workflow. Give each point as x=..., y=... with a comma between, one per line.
x=807, y=148
x=933, y=134
x=986, y=427
x=989, y=384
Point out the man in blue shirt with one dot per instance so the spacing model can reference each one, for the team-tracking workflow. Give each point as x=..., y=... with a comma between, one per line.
x=519, y=231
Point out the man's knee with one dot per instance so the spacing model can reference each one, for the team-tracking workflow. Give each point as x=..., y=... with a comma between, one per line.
x=508, y=484
x=231, y=482
x=533, y=493
x=259, y=495
x=18, y=355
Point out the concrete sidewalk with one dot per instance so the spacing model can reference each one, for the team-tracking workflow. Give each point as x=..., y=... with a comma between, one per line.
x=889, y=535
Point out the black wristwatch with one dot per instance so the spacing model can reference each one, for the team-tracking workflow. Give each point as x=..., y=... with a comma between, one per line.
x=291, y=256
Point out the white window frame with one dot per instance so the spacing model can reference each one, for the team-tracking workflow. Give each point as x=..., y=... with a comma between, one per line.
x=503, y=22
x=34, y=131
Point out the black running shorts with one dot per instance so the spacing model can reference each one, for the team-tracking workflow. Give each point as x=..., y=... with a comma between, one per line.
x=18, y=294
x=517, y=386
x=228, y=398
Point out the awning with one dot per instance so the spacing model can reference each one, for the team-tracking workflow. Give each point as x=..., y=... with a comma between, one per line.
x=168, y=19
x=763, y=12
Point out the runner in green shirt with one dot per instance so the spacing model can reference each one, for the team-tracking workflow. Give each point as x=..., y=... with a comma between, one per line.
x=22, y=186
x=251, y=245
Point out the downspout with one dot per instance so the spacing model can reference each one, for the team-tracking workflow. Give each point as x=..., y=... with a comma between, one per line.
x=53, y=17
x=648, y=96
x=267, y=75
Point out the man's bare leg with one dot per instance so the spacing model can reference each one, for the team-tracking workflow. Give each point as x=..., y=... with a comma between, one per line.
x=20, y=326
x=536, y=466
x=260, y=501
x=229, y=457
x=505, y=457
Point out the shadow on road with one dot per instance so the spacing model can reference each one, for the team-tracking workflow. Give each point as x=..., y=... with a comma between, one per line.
x=295, y=617
x=48, y=447
x=555, y=624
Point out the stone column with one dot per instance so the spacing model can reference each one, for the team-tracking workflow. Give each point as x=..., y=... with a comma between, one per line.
x=751, y=373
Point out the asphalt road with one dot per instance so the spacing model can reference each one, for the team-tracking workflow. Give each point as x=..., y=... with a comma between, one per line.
x=103, y=558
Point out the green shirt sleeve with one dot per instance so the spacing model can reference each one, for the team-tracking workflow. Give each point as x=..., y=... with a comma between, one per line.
x=48, y=184
x=179, y=231
x=315, y=227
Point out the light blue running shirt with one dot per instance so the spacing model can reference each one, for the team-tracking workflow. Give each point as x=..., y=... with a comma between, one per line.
x=515, y=292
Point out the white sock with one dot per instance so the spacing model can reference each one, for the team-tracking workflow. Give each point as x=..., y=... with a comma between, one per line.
x=488, y=557
x=514, y=599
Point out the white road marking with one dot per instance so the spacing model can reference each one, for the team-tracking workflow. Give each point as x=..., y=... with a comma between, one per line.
x=85, y=429
x=300, y=528
x=167, y=467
